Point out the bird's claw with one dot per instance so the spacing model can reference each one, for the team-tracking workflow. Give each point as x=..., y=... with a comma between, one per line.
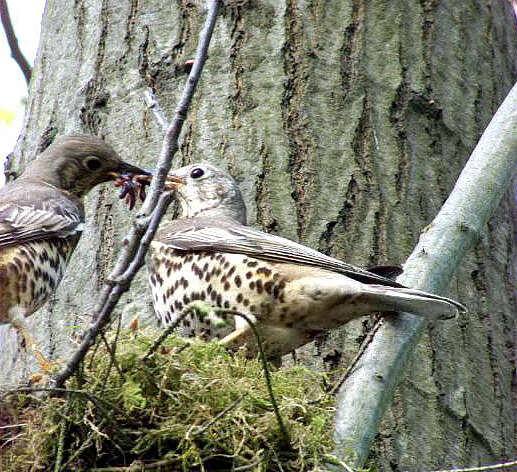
x=45, y=365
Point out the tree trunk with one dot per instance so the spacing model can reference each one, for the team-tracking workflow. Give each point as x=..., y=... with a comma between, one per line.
x=346, y=124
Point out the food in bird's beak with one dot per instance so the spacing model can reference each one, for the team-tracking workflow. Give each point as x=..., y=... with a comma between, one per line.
x=133, y=186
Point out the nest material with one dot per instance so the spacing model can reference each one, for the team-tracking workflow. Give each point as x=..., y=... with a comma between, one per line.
x=187, y=407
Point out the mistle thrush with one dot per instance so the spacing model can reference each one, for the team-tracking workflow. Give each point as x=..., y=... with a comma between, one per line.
x=41, y=220
x=291, y=291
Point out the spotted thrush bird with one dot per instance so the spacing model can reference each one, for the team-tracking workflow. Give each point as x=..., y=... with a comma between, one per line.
x=291, y=291
x=41, y=221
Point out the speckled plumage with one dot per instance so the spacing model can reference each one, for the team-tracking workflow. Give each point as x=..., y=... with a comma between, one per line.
x=224, y=280
x=291, y=290
x=29, y=272
x=41, y=221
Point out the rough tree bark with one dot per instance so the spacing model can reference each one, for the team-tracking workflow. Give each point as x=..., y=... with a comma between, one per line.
x=346, y=124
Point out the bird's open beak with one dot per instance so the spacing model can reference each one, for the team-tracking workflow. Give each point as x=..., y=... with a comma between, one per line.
x=172, y=182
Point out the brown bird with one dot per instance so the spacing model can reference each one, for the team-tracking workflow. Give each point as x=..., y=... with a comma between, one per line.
x=291, y=291
x=41, y=221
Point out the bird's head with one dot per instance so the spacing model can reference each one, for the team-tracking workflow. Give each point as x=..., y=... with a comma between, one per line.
x=78, y=163
x=209, y=191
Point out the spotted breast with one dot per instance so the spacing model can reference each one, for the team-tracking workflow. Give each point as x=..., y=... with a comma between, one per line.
x=224, y=280
x=30, y=273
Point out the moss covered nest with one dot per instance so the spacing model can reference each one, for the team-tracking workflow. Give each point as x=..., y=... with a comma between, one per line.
x=186, y=407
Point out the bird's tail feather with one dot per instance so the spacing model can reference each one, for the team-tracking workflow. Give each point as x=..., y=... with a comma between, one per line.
x=415, y=301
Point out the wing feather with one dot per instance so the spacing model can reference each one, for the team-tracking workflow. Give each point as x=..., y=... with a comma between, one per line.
x=38, y=212
x=209, y=234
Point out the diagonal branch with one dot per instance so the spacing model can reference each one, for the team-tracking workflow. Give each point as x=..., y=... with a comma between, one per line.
x=16, y=52
x=369, y=390
x=135, y=246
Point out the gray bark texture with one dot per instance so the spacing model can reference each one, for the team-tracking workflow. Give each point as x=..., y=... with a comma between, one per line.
x=346, y=124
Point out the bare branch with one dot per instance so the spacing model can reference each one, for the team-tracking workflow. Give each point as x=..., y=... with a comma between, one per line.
x=369, y=390
x=503, y=465
x=16, y=52
x=132, y=255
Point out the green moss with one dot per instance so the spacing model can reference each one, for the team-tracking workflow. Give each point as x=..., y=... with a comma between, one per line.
x=159, y=411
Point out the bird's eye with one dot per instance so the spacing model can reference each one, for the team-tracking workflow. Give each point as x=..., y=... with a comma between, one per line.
x=93, y=163
x=197, y=172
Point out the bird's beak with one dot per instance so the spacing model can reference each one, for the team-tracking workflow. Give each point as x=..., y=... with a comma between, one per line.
x=172, y=182
x=128, y=170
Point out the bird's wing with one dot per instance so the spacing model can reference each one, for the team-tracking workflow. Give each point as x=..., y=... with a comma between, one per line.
x=39, y=217
x=209, y=234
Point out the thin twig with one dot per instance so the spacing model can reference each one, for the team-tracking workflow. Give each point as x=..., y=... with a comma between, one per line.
x=188, y=309
x=283, y=430
x=16, y=52
x=136, y=466
x=335, y=461
x=353, y=364
x=113, y=359
x=132, y=255
x=62, y=434
x=248, y=466
x=12, y=391
x=88, y=395
x=219, y=415
x=8, y=426
x=85, y=445
x=482, y=468
x=13, y=439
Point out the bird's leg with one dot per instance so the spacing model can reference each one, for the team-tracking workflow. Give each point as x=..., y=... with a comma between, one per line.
x=18, y=322
x=277, y=341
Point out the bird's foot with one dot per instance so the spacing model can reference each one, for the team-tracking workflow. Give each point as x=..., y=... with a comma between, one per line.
x=47, y=368
x=45, y=365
